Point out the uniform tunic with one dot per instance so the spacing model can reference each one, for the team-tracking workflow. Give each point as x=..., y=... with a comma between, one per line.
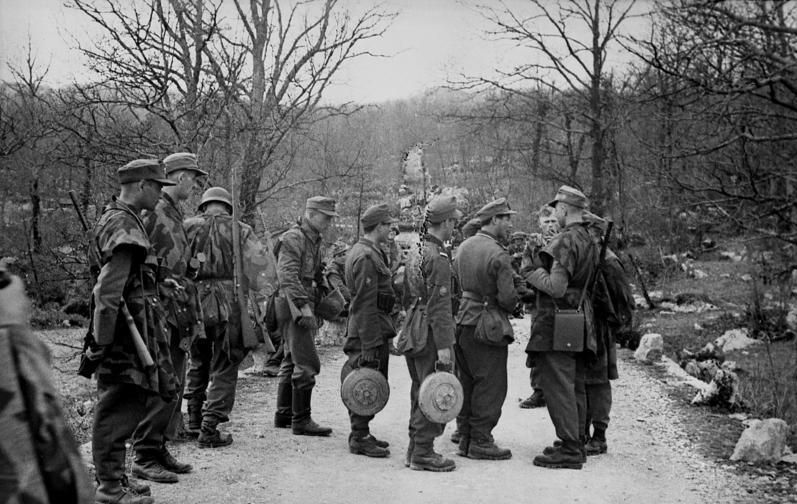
x=484, y=270
x=369, y=326
x=431, y=282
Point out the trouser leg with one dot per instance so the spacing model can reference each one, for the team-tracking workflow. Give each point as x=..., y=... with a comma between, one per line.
x=180, y=360
x=488, y=383
x=223, y=379
x=116, y=415
x=534, y=378
x=201, y=353
x=360, y=423
x=558, y=379
x=599, y=404
x=466, y=379
x=422, y=430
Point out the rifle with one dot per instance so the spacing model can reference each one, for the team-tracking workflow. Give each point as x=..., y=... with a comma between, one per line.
x=602, y=258
x=86, y=367
x=248, y=335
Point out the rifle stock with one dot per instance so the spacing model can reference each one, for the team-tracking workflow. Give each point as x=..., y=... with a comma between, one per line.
x=248, y=335
x=135, y=335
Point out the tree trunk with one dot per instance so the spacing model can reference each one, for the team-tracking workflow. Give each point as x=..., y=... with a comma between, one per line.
x=35, y=202
x=598, y=197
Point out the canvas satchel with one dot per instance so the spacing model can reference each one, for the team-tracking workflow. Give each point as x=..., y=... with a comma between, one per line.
x=414, y=332
x=493, y=327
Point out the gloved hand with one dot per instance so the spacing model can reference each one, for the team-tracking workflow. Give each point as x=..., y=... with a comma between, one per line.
x=307, y=320
x=369, y=358
x=96, y=353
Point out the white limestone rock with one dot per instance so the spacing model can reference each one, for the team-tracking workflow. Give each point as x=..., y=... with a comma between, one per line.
x=762, y=441
x=735, y=339
x=651, y=348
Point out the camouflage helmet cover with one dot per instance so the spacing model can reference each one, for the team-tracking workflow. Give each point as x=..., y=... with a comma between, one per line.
x=219, y=194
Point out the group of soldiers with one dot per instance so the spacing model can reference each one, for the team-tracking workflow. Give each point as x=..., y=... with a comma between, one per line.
x=166, y=289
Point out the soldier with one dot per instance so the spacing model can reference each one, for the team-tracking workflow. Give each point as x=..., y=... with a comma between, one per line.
x=335, y=271
x=164, y=226
x=549, y=227
x=300, y=271
x=517, y=245
x=127, y=389
x=430, y=281
x=370, y=327
x=484, y=270
x=213, y=372
x=41, y=461
x=571, y=259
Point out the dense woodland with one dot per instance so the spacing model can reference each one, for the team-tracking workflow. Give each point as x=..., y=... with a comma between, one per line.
x=695, y=135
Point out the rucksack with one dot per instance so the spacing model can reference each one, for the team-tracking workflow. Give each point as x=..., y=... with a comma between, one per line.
x=614, y=296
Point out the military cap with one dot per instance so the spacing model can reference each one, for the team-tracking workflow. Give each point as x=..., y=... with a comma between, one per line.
x=493, y=208
x=322, y=204
x=143, y=169
x=219, y=194
x=377, y=214
x=594, y=220
x=519, y=235
x=182, y=161
x=571, y=196
x=470, y=227
x=442, y=208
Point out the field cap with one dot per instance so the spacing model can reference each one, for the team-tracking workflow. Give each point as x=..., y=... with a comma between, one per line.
x=442, y=208
x=494, y=208
x=322, y=204
x=571, y=196
x=377, y=214
x=182, y=161
x=143, y=169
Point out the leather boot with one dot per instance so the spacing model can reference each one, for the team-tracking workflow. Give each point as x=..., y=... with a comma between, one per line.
x=194, y=420
x=554, y=447
x=487, y=450
x=535, y=400
x=210, y=437
x=168, y=461
x=366, y=445
x=303, y=424
x=424, y=458
x=284, y=413
x=597, y=443
x=112, y=492
x=569, y=456
x=135, y=486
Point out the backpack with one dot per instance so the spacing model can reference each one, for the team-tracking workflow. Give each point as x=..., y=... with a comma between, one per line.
x=614, y=296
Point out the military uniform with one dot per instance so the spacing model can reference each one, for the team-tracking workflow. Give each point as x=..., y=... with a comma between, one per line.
x=39, y=459
x=169, y=241
x=299, y=266
x=573, y=259
x=369, y=326
x=127, y=390
x=484, y=271
x=430, y=282
x=213, y=372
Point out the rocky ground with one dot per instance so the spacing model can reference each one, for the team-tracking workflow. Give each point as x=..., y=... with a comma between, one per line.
x=660, y=450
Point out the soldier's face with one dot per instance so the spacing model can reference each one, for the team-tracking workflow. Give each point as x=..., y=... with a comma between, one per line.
x=188, y=184
x=560, y=213
x=504, y=227
x=149, y=194
x=320, y=221
x=549, y=225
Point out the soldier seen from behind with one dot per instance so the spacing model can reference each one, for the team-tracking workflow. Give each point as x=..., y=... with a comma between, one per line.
x=570, y=261
x=215, y=359
x=430, y=282
x=484, y=269
x=300, y=269
x=370, y=326
x=164, y=225
x=128, y=389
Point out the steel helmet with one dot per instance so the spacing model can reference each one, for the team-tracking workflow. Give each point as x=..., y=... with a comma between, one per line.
x=219, y=194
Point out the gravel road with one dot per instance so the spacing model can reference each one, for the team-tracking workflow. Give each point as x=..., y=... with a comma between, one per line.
x=650, y=459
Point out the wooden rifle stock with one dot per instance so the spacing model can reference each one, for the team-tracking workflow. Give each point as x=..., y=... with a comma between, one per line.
x=248, y=335
x=135, y=335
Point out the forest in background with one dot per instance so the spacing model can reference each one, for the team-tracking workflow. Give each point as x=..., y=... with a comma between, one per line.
x=695, y=137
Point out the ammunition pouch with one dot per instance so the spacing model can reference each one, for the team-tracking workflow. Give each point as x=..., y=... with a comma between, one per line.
x=385, y=301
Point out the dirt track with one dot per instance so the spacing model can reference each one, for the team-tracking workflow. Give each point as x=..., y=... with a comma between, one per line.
x=649, y=459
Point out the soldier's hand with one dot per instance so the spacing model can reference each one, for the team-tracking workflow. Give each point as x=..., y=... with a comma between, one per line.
x=307, y=320
x=445, y=357
x=96, y=352
x=369, y=358
x=171, y=282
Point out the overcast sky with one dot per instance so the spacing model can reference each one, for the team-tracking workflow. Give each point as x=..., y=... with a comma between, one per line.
x=429, y=41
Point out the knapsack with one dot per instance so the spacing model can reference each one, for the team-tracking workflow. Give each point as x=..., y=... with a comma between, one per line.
x=614, y=297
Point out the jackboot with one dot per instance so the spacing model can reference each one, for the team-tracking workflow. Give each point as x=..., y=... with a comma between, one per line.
x=424, y=458
x=112, y=492
x=366, y=445
x=302, y=423
x=487, y=450
x=194, y=420
x=210, y=437
x=568, y=456
x=284, y=414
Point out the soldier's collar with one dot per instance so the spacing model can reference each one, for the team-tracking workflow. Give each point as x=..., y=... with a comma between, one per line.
x=309, y=230
x=432, y=238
